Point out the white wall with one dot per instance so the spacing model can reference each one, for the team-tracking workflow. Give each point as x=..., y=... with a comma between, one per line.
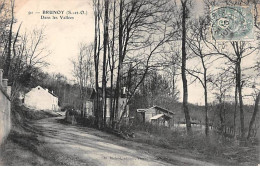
x=149, y=113
x=5, y=117
x=40, y=99
x=89, y=108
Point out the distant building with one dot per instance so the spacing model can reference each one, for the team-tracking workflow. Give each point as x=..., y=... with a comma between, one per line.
x=156, y=115
x=41, y=99
x=89, y=109
x=109, y=98
x=88, y=103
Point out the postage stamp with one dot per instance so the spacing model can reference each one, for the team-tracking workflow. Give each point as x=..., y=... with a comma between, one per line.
x=232, y=23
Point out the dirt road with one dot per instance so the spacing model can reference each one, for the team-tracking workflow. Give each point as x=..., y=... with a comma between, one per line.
x=60, y=144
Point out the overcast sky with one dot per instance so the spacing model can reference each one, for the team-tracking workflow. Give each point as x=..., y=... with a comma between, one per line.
x=63, y=36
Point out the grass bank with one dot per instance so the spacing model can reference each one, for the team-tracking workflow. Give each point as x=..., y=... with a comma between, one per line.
x=23, y=138
x=214, y=148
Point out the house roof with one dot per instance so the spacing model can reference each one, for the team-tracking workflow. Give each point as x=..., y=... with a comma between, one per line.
x=156, y=116
x=141, y=110
x=160, y=115
x=48, y=91
x=52, y=94
x=163, y=109
x=156, y=107
x=4, y=92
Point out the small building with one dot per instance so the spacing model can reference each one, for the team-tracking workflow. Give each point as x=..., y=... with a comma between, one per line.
x=109, y=100
x=41, y=99
x=88, y=105
x=89, y=109
x=156, y=115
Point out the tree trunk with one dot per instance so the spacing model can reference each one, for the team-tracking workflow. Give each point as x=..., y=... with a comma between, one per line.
x=183, y=68
x=241, y=106
x=96, y=61
x=81, y=101
x=252, y=121
x=206, y=108
x=235, y=113
x=119, y=73
x=8, y=57
x=112, y=102
x=205, y=95
x=221, y=118
x=105, y=42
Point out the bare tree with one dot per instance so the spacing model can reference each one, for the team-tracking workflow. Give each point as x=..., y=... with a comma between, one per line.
x=256, y=95
x=9, y=44
x=256, y=109
x=184, y=6
x=97, y=15
x=221, y=87
x=111, y=61
x=133, y=22
x=28, y=56
x=154, y=47
x=83, y=68
x=105, y=51
x=196, y=42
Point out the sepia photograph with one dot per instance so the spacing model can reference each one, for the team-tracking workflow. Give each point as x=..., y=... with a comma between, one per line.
x=129, y=83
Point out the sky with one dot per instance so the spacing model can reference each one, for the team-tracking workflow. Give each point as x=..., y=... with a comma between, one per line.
x=64, y=35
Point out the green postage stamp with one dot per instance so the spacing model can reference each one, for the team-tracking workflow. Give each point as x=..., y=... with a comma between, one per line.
x=234, y=23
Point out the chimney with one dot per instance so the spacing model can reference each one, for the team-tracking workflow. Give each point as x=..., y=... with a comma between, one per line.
x=9, y=89
x=1, y=76
x=124, y=91
x=5, y=84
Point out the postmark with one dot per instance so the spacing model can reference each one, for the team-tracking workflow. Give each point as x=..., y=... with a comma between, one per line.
x=232, y=23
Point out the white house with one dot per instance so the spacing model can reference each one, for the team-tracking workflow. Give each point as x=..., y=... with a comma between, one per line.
x=41, y=99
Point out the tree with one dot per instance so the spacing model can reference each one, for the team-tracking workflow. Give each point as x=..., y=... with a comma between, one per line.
x=184, y=5
x=170, y=64
x=9, y=44
x=196, y=43
x=240, y=50
x=252, y=121
x=256, y=96
x=136, y=24
x=97, y=15
x=4, y=22
x=28, y=56
x=104, y=76
x=83, y=68
x=111, y=62
x=221, y=87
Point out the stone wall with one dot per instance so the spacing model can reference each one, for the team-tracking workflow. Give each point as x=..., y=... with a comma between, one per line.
x=5, y=108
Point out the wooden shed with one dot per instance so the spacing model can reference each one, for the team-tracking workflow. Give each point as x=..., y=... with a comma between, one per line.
x=156, y=115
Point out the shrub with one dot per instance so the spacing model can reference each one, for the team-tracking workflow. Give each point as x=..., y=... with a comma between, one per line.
x=85, y=121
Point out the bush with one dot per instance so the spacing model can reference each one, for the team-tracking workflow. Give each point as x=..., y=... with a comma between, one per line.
x=66, y=107
x=85, y=121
